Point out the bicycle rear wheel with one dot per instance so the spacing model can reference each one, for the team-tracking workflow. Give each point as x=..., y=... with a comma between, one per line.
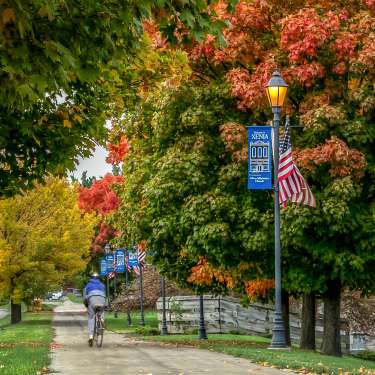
x=98, y=330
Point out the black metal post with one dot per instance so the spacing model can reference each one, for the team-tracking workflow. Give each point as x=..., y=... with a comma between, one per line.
x=142, y=321
x=115, y=292
x=202, y=326
x=108, y=299
x=164, y=328
x=278, y=332
x=127, y=286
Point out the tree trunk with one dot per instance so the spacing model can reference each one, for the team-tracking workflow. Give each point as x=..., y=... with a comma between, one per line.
x=15, y=312
x=331, y=335
x=308, y=322
x=285, y=308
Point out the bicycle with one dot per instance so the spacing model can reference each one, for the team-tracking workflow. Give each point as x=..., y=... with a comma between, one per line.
x=99, y=326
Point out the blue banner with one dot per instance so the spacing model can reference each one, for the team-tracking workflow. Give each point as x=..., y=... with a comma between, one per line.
x=103, y=267
x=120, y=261
x=260, y=157
x=133, y=258
x=110, y=259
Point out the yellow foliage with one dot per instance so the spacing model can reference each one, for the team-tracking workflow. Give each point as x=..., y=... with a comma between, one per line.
x=67, y=123
x=44, y=240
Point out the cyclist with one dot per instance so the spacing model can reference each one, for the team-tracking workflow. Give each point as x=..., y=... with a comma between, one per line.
x=93, y=296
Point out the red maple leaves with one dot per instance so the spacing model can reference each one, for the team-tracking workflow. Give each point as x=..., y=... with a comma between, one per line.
x=343, y=161
x=100, y=198
x=117, y=152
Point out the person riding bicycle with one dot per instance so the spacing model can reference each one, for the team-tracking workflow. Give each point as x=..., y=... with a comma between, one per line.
x=93, y=296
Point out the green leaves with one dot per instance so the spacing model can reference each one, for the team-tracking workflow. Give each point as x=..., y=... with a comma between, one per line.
x=87, y=51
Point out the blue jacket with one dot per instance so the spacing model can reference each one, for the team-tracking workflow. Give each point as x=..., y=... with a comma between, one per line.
x=94, y=288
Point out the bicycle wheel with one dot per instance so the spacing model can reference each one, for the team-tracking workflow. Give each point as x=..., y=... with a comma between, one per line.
x=98, y=330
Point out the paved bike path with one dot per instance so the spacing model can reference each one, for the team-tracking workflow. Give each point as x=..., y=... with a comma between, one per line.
x=124, y=356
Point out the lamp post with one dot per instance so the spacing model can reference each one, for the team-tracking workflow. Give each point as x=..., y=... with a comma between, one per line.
x=127, y=285
x=276, y=91
x=164, y=328
x=107, y=249
x=115, y=285
x=142, y=320
x=202, y=335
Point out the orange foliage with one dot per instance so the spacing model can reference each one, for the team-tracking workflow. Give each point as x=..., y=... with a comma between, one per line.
x=204, y=274
x=157, y=40
x=100, y=198
x=343, y=160
x=234, y=137
x=142, y=245
x=256, y=289
x=117, y=152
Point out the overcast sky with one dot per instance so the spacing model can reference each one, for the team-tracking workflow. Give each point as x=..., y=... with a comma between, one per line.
x=95, y=166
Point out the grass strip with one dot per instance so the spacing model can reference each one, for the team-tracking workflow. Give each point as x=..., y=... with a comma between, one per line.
x=24, y=347
x=256, y=350
x=120, y=324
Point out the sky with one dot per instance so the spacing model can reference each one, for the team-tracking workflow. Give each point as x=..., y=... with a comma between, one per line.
x=95, y=165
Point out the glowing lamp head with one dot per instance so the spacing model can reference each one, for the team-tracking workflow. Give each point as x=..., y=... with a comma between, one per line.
x=276, y=90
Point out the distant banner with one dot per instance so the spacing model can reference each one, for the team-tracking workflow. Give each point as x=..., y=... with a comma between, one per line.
x=260, y=157
x=133, y=258
x=120, y=261
x=110, y=260
x=103, y=267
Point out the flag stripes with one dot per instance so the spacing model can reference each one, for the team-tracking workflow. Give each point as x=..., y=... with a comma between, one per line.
x=141, y=262
x=292, y=185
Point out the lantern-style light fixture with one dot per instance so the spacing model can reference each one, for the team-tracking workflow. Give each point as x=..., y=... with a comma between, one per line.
x=276, y=90
x=107, y=248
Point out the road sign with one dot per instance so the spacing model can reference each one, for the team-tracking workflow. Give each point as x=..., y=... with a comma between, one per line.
x=120, y=261
x=110, y=259
x=260, y=157
x=133, y=258
x=103, y=267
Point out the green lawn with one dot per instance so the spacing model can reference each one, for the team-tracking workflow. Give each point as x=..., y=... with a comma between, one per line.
x=255, y=349
x=120, y=324
x=74, y=298
x=24, y=347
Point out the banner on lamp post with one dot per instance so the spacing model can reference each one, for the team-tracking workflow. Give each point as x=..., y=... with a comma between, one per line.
x=110, y=262
x=103, y=267
x=120, y=260
x=133, y=258
x=260, y=157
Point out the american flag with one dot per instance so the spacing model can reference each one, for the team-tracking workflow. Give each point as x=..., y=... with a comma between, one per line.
x=292, y=186
x=111, y=275
x=141, y=261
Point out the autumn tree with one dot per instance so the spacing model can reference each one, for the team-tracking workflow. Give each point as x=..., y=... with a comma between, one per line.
x=325, y=51
x=100, y=199
x=185, y=194
x=44, y=241
x=60, y=64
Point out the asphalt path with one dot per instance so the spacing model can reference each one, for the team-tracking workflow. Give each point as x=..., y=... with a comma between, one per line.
x=122, y=355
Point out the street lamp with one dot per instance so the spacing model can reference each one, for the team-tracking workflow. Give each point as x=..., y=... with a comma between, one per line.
x=276, y=91
x=202, y=335
x=164, y=327
x=107, y=249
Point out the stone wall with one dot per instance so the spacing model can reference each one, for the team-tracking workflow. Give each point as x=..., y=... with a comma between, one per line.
x=225, y=315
